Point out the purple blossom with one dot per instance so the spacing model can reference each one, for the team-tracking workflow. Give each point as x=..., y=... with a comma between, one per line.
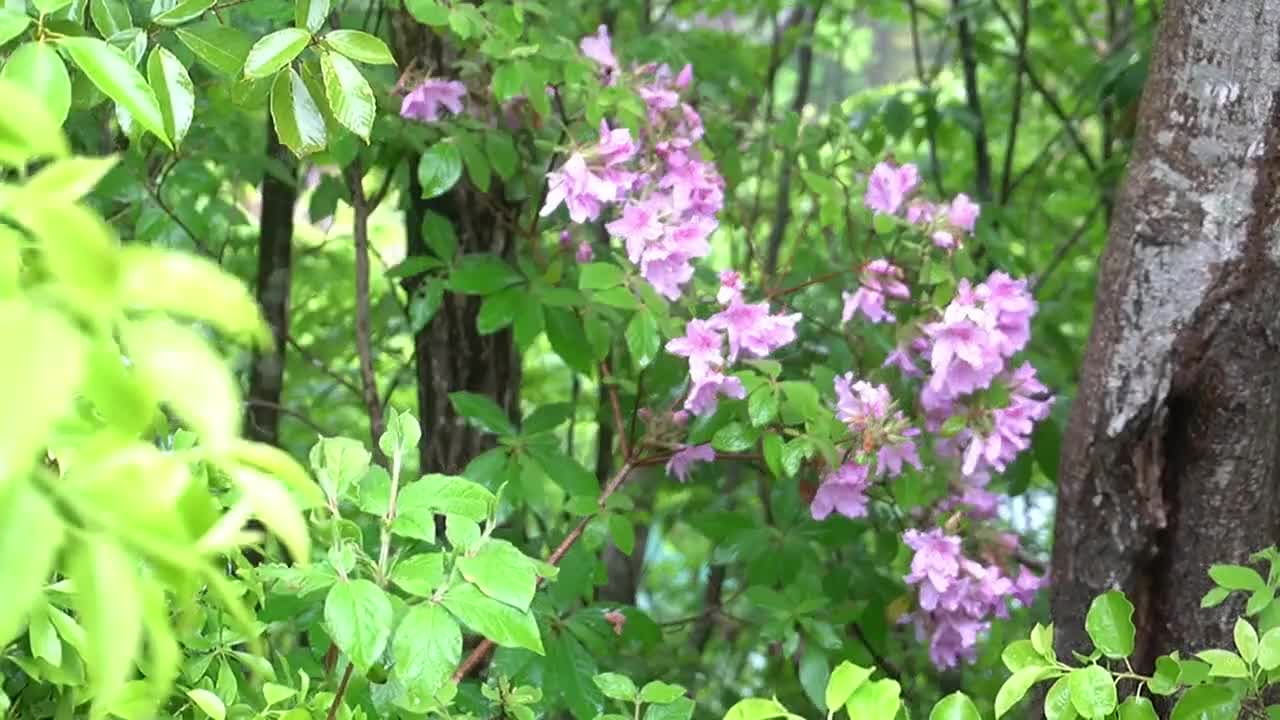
x=935, y=565
x=963, y=353
x=599, y=47
x=708, y=387
x=892, y=456
x=859, y=404
x=1026, y=585
x=701, y=344
x=424, y=102
x=1011, y=304
x=905, y=357
x=843, y=491
x=944, y=239
x=566, y=239
x=889, y=186
x=880, y=280
x=683, y=461
x=583, y=190
x=963, y=213
x=584, y=254
x=685, y=77
x=752, y=329
x=921, y=212
x=730, y=287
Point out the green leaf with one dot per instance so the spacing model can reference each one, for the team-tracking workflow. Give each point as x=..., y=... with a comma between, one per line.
x=449, y=494
x=401, y=436
x=1110, y=625
x=359, y=46
x=1269, y=650
x=643, y=339
x=39, y=386
x=222, y=48
x=878, y=699
x=1259, y=601
x=623, y=533
x=1057, y=703
x=679, y=709
x=1093, y=694
x=735, y=437
x=546, y=418
x=310, y=14
x=599, y=276
x=337, y=464
x=569, y=668
x=30, y=134
x=439, y=169
x=438, y=234
x=271, y=502
x=568, y=339
x=426, y=648
x=298, y=120
x=565, y=471
x=109, y=603
x=1207, y=702
x=1137, y=708
x=110, y=16
x=185, y=12
x=615, y=686
x=483, y=413
x=762, y=406
x=350, y=97
x=498, y=622
x=420, y=574
x=1214, y=597
x=1236, y=577
x=273, y=52
x=1246, y=640
x=183, y=370
x=37, y=67
x=357, y=615
x=482, y=274
x=1020, y=654
x=24, y=515
x=12, y=24
x=660, y=692
x=1016, y=687
x=502, y=153
x=42, y=637
x=1165, y=679
x=474, y=160
x=115, y=76
x=758, y=709
x=502, y=572
x=801, y=399
x=956, y=706
x=844, y=680
x=1224, y=663
x=210, y=704
x=174, y=92
x=428, y=12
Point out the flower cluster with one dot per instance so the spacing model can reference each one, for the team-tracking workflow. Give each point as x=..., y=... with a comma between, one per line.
x=889, y=191
x=958, y=595
x=667, y=196
x=424, y=103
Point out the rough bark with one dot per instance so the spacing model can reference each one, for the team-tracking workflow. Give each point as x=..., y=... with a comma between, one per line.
x=1171, y=458
x=449, y=354
x=275, y=243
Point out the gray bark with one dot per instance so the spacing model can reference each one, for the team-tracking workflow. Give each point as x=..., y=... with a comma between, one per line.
x=1170, y=461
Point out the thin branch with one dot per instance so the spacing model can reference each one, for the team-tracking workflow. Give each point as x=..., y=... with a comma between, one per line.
x=304, y=419
x=1064, y=249
x=318, y=364
x=618, y=428
x=926, y=82
x=154, y=192
x=1024, y=29
x=969, y=63
x=360, y=229
x=342, y=690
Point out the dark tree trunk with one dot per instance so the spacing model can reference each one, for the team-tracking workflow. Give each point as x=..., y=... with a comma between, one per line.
x=275, y=242
x=449, y=354
x=1170, y=462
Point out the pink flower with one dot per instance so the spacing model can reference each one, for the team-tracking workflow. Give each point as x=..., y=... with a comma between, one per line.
x=566, y=239
x=920, y=212
x=639, y=227
x=1026, y=585
x=844, y=491
x=963, y=213
x=944, y=239
x=751, y=328
x=702, y=344
x=599, y=47
x=685, y=76
x=683, y=461
x=936, y=563
x=889, y=186
x=859, y=404
x=904, y=358
x=584, y=253
x=1011, y=304
x=708, y=387
x=615, y=146
x=880, y=280
x=581, y=189
x=423, y=103
x=730, y=287
x=892, y=456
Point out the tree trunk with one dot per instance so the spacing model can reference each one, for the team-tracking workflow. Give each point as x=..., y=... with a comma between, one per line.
x=275, y=243
x=1170, y=461
x=449, y=354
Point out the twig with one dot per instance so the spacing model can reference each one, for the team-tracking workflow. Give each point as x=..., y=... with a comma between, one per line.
x=286, y=411
x=926, y=82
x=318, y=364
x=1065, y=248
x=618, y=428
x=360, y=229
x=342, y=690
x=485, y=646
x=969, y=63
x=1006, y=174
